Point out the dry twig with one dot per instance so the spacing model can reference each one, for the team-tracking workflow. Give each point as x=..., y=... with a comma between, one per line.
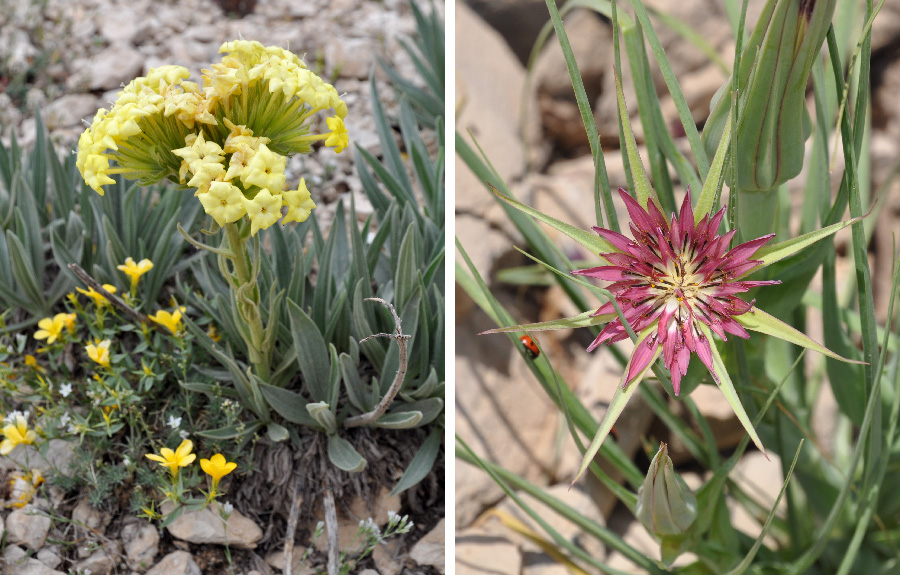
x=331, y=528
x=116, y=301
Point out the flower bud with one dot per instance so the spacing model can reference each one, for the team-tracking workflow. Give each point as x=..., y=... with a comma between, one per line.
x=773, y=122
x=666, y=506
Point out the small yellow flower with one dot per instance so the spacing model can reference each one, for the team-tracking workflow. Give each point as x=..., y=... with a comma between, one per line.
x=99, y=299
x=171, y=321
x=299, y=203
x=99, y=352
x=339, y=138
x=217, y=467
x=51, y=329
x=31, y=361
x=69, y=320
x=265, y=170
x=181, y=457
x=135, y=270
x=214, y=334
x=224, y=202
x=264, y=210
x=16, y=434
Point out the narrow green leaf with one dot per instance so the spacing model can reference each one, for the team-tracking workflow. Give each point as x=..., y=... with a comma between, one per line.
x=402, y=420
x=288, y=404
x=344, y=456
x=642, y=186
x=585, y=319
x=421, y=463
x=312, y=353
x=727, y=387
x=713, y=184
x=624, y=391
x=591, y=241
x=768, y=255
x=759, y=321
x=232, y=431
x=429, y=409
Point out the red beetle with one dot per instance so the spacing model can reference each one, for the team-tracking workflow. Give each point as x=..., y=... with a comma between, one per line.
x=531, y=347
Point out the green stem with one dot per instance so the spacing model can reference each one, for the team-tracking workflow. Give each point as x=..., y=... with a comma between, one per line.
x=249, y=307
x=756, y=213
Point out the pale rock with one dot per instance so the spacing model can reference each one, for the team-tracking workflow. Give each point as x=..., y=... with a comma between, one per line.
x=59, y=452
x=176, y=563
x=141, y=542
x=479, y=551
x=517, y=21
x=86, y=516
x=206, y=33
x=102, y=561
x=120, y=26
x=17, y=562
x=70, y=110
x=28, y=526
x=276, y=560
x=112, y=67
x=488, y=99
x=350, y=58
x=358, y=511
x=207, y=526
x=49, y=556
x=387, y=557
x=369, y=572
x=429, y=550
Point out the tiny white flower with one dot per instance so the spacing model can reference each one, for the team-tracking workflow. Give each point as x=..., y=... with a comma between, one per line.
x=227, y=508
x=126, y=461
x=174, y=422
x=20, y=340
x=184, y=434
x=392, y=516
x=9, y=349
x=11, y=418
x=65, y=389
x=71, y=429
x=64, y=420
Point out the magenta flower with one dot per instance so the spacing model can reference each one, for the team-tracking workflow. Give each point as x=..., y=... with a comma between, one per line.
x=672, y=276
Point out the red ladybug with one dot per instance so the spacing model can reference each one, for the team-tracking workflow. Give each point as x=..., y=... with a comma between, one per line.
x=531, y=347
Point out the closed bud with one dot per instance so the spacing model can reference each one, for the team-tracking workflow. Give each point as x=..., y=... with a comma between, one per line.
x=773, y=122
x=666, y=506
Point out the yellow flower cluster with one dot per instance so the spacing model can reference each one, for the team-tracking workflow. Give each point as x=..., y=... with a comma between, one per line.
x=229, y=139
x=51, y=329
x=16, y=434
x=216, y=466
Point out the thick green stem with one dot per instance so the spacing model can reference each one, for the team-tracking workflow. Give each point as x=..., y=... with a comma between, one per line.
x=248, y=307
x=756, y=213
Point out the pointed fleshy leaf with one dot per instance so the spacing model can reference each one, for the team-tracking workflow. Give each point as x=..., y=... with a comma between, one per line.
x=344, y=456
x=586, y=319
x=402, y=420
x=642, y=188
x=616, y=405
x=771, y=254
x=727, y=387
x=713, y=180
x=759, y=321
x=321, y=412
x=276, y=433
x=591, y=241
x=422, y=463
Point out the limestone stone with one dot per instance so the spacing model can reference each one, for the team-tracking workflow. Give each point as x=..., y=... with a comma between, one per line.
x=17, y=562
x=429, y=550
x=49, y=557
x=176, y=563
x=28, y=526
x=70, y=110
x=141, y=541
x=479, y=551
x=102, y=561
x=207, y=526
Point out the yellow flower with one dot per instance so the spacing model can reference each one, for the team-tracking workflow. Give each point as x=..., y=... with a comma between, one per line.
x=224, y=202
x=339, y=138
x=263, y=210
x=213, y=333
x=16, y=434
x=31, y=361
x=171, y=321
x=99, y=352
x=299, y=203
x=69, y=320
x=99, y=299
x=181, y=457
x=51, y=329
x=265, y=169
x=217, y=467
x=135, y=270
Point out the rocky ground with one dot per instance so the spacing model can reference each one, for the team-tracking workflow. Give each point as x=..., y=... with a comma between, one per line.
x=532, y=132
x=67, y=58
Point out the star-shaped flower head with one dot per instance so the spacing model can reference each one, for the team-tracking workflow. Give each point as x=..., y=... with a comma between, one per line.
x=217, y=467
x=51, y=329
x=16, y=434
x=99, y=299
x=673, y=276
x=224, y=202
x=169, y=320
x=338, y=138
x=181, y=457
